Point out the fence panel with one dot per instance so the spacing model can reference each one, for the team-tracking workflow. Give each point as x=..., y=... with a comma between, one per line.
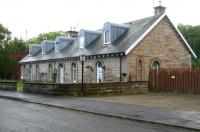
x=175, y=80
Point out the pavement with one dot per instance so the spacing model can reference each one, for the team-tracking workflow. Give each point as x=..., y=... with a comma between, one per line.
x=163, y=116
x=17, y=116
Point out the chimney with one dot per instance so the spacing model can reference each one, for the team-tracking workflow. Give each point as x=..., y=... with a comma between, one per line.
x=159, y=9
x=71, y=33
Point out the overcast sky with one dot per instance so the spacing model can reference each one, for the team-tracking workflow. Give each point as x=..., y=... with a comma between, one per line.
x=39, y=16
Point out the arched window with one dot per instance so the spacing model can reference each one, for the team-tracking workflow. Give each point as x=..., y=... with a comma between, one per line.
x=30, y=73
x=99, y=72
x=61, y=73
x=23, y=73
x=155, y=64
x=50, y=72
x=74, y=72
x=139, y=70
x=37, y=73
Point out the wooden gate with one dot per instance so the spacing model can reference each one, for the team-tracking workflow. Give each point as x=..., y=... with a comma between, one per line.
x=175, y=80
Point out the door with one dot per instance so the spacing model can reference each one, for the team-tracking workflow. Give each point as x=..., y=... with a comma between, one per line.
x=99, y=72
x=61, y=74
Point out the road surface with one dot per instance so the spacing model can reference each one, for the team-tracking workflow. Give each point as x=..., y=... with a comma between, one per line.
x=18, y=116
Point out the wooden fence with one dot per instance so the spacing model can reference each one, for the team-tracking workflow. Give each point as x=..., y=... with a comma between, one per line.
x=175, y=80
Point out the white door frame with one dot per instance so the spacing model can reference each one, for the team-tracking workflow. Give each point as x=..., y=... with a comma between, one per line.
x=61, y=70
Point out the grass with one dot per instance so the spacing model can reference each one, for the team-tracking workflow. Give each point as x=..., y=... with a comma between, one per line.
x=20, y=86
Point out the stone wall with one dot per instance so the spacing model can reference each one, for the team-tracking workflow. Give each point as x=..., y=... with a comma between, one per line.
x=119, y=88
x=45, y=88
x=162, y=44
x=12, y=86
x=111, y=71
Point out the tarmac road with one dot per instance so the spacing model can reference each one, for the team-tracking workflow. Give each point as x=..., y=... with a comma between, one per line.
x=16, y=116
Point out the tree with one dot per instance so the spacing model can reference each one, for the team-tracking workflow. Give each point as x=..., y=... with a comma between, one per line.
x=5, y=36
x=17, y=45
x=192, y=35
x=46, y=36
x=6, y=61
x=5, y=51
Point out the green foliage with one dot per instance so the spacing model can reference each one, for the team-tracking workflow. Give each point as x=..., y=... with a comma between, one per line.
x=6, y=61
x=192, y=35
x=17, y=45
x=6, y=49
x=20, y=86
x=5, y=36
x=196, y=63
x=46, y=36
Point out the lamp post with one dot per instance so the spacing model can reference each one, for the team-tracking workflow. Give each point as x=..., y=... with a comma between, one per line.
x=82, y=58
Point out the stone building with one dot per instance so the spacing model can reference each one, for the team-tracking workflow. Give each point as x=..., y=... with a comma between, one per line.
x=117, y=52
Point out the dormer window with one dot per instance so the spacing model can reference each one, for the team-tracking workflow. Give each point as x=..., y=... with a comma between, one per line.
x=47, y=46
x=87, y=37
x=113, y=31
x=107, y=37
x=34, y=49
x=62, y=42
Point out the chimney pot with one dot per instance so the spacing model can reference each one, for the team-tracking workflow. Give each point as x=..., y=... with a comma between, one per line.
x=159, y=10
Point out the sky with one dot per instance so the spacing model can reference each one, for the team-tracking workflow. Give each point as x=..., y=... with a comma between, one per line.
x=40, y=16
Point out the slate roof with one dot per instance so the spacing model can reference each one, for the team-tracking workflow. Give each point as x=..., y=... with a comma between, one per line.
x=136, y=30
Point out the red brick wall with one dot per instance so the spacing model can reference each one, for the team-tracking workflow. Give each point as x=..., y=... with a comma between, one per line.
x=14, y=70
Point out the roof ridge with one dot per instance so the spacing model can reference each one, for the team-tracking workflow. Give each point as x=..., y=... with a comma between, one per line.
x=141, y=19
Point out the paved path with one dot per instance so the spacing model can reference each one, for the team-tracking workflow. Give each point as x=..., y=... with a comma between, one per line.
x=189, y=119
x=19, y=116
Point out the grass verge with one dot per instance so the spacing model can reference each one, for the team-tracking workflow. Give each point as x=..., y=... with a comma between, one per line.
x=20, y=86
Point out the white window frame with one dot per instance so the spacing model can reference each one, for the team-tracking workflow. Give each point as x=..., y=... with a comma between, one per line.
x=99, y=75
x=50, y=72
x=56, y=47
x=152, y=64
x=37, y=72
x=30, y=73
x=105, y=37
x=139, y=69
x=82, y=42
x=43, y=48
x=61, y=73
x=74, y=74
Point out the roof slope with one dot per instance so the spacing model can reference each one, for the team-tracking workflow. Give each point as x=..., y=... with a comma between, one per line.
x=137, y=31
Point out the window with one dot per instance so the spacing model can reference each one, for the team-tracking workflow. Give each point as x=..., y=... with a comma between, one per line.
x=30, y=74
x=50, y=72
x=23, y=72
x=155, y=64
x=37, y=73
x=99, y=72
x=139, y=70
x=82, y=42
x=106, y=37
x=56, y=46
x=74, y=72
x=61, y=73
x=43, y=48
